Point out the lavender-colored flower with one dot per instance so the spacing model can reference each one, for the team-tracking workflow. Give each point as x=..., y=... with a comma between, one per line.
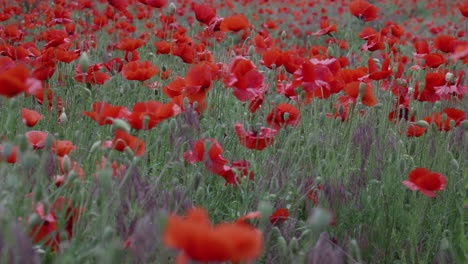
x=325, y=251
x=18, y=248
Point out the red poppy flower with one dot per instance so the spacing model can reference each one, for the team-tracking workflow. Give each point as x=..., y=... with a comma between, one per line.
x=363, y=10
x=433, y=60
x=11, y=157
x=277, y=117
x=119, y=4
x=36, y=138
x=246, y=80
x=93, y=75
x=317, y=78
x=74, y=167
x=443, y=119
x=421, y=47
x=139, y=70
x=153, y=111
x=13, y=79
x=30, y=117
x=325, y=28
x=63, y=207
x=353, y=90
x=375, y=74
x=234, y=23
x=415, y=130
x=463, y=9
x=433, y=79
x=255, y=139
x=203, y=13
x=162, y=47
x=425, y=181
x=129, y=44
x=122, y=140
x=445, y=43
x=214, y=161
x=46, y=230
x=103, y=113
x=198, y=240
x=279, y=216
x=62, y=147
x=154, y=3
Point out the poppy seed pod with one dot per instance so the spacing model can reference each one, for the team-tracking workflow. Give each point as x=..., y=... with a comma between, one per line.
x=6, y=150
x=84, y=61
x=66, y=163
x=121, y=124
x=465, y=124
x=172, y=8
x=449, y=77
x=422, y=123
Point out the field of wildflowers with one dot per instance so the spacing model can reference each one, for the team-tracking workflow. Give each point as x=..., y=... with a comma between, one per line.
x=239, y=131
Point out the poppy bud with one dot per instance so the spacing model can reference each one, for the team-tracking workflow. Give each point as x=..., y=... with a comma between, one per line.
x=444, y=244
x=63, y=117
x=444, y=117
x=286, y=116
x=355, y=248
x=251, y=50
x=71, y=176
x=283, y=35
x=95, y=145
x=34, y=220
x=84, y=62
x=172, y=8
x=452, y=123
x=121, y=124
x=455, y=164
x=108, y=233
x=330, y=51
x=305, y=235
x=186, y=103
x=7, y=149
x=294, y=245
x=437, y=107
x=49, y=141
x=465, y=124
x=88, y=91
x=265, y=208
x=320, y=218
x=129, y=151
x=275, y=233
x=449, y=77
x=422, y=123
x=66, y=163
x=283, y=247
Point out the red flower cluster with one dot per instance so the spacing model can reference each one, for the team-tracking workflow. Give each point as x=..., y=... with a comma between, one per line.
x=425, y=181
x=198, y=240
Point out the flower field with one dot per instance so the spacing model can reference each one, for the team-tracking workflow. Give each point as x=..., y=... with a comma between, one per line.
x=243, y=131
